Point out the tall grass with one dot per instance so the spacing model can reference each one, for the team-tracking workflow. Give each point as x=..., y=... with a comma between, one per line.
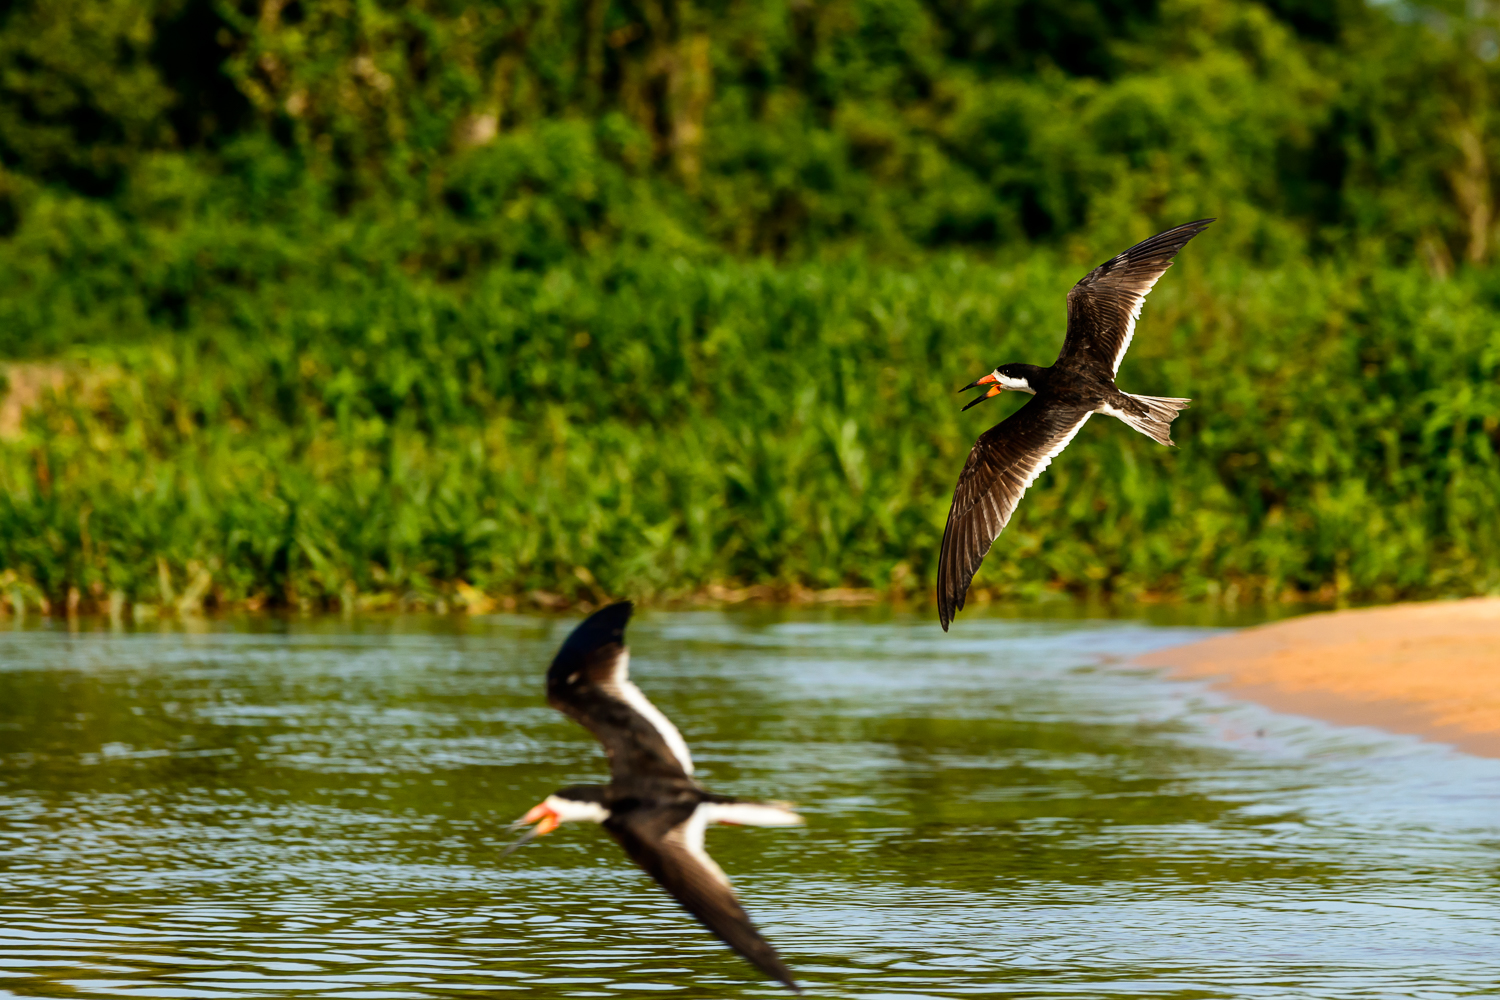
x=652, y=425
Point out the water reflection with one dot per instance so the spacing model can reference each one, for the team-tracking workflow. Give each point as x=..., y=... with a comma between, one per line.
x=272, y=811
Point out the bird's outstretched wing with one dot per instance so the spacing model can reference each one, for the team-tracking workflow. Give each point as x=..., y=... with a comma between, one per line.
x=1103, y=307
x=668, y=842
x=1005, y=460
x=589, y=681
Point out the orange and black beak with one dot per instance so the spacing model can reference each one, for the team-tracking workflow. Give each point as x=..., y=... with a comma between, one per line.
x=989, y=380
x=545, y=819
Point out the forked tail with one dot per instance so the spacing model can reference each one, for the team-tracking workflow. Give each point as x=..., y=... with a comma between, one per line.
x=1156, y=422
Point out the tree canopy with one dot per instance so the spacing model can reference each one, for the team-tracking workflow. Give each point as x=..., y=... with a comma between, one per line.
x=521, y=130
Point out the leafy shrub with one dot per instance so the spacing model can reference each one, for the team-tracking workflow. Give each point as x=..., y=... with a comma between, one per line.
x=649, y=425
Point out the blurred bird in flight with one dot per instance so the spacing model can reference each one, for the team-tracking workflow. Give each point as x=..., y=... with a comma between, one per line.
x=651, y=805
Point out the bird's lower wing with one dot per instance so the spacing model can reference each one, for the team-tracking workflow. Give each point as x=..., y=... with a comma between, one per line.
x=1005, y=460
x=668, y=843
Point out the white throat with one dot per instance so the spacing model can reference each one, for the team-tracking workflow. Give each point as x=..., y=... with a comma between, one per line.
x=1013, y=384
x=573, y=811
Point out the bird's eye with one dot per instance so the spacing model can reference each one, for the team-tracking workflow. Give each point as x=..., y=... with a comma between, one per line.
x=573, y=677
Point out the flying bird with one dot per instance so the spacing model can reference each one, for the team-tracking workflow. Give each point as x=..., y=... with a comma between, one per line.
x=651, y=805
x=1007, y=458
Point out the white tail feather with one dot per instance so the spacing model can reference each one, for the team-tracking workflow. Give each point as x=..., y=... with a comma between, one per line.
x=1156, y=423
x=750, y=813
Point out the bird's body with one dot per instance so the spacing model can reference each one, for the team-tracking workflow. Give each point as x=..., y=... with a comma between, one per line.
x=652, y=805
x=1007, y=458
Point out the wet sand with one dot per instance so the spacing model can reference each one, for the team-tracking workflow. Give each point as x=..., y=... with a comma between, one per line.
x=1431, y=670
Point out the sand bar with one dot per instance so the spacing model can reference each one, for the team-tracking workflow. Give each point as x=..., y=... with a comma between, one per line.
x=1431, y=670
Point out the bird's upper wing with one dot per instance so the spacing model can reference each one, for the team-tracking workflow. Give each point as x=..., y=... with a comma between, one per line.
x=589, y=681
x=1005, y=460
x=668, y=842
x=1103, y=307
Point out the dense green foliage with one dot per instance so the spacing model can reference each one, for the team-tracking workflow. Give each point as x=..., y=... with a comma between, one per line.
x=656, y=427
x=639, y=297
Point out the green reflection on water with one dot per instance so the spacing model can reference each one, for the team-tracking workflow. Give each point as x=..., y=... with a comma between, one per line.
x=282, y=808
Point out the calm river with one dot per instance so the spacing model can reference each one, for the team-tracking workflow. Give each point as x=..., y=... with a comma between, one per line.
x=268, y=809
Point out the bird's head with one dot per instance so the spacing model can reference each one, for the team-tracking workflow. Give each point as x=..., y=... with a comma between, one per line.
x=1017, y=378
x=579, y=803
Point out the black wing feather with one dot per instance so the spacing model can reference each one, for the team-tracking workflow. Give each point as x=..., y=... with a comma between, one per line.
x=1005, y=460
x=1102, y=308
x=585, y=683
x=657, y=840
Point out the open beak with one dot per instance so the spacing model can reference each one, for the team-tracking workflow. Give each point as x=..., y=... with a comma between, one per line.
x=989, y=380
x=545, y=819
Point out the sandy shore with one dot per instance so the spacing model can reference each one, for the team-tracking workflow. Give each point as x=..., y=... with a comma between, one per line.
x=1432, y=670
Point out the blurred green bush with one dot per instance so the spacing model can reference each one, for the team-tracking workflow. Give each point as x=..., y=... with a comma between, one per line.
x=300, y=298
x=650, y=425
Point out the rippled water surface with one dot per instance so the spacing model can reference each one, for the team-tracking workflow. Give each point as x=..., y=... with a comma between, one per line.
x=275, y=810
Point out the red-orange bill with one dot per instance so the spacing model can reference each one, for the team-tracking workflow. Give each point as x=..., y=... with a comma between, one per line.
x=994, y=390
x=545, y=819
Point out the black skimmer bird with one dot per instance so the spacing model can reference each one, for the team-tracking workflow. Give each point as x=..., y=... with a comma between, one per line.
x=1007, y=458
x=651, y=805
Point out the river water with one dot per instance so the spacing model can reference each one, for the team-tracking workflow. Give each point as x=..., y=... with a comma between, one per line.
x=286, y=809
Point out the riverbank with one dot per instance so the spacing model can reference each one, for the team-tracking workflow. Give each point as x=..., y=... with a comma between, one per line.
x=1430, y=670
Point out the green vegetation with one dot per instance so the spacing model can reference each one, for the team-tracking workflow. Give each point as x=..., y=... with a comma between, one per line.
x=307, y=300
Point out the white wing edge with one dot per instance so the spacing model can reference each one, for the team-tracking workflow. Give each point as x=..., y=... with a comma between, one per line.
x=1135, y=314
x=689, y=834
x=626, y=691
x=1040, y=467
x=1046, y=459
